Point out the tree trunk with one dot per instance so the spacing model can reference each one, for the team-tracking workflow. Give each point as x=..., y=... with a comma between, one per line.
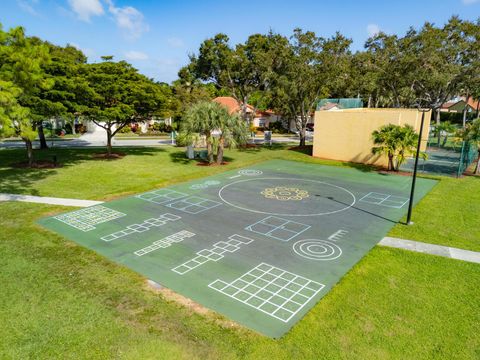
x=369, y=101
x=302, y=136
x=28, y=144
x=221, y=145
x=477, y=167
x=41, y=137
x=437, y=116
x=73, y=127
x=445, y=140
x=109, y=142
x=464, y=119
x=390, y=162
x=209, y=148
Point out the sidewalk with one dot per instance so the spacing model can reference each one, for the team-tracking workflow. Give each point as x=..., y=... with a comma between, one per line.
x=445, y=251
x=48, y=200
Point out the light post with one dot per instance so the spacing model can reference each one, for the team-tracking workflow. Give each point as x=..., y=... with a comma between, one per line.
x=414, y=178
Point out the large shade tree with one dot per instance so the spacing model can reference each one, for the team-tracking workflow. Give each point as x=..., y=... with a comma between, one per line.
x=120, y=96
x=22, y=74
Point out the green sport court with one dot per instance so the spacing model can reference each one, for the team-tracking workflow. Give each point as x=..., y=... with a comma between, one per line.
x=260, y=245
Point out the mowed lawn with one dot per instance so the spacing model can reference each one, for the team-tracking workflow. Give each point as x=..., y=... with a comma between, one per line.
x=59, y=300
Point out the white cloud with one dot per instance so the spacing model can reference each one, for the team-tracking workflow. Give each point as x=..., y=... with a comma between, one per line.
x=129, y=19
x=470, y=2
x=136, y=55
x=373, y=29
x=175, y=42
x=86, y=8
x=28, y=6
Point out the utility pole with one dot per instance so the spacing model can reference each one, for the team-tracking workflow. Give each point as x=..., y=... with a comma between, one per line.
x=414, y=178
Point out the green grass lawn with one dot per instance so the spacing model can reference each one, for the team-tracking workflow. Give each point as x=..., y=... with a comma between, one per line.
x=59, y=300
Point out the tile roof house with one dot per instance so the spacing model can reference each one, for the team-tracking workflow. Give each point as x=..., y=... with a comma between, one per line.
x=260, y=118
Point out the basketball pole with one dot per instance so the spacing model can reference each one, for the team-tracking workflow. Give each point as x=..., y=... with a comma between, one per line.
x=414, y=178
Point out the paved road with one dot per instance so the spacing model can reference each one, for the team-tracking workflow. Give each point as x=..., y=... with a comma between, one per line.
x=120, y=143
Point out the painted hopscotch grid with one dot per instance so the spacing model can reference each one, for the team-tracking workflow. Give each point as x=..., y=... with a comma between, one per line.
x=278, y=228
x=193, y=205
x=271, y=290
x=139, y=228
x=214, y=254
x=161, y=196
x=165, y=242
x=384, y=200
x=85, y=219
x=337, y=235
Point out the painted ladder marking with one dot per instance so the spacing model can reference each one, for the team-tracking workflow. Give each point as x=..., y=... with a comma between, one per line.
x=165, y=242
x=213, y=254
x=139, y=228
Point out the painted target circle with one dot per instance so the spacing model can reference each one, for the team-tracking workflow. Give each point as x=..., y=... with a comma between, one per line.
x=250, y=172
x=317, y=249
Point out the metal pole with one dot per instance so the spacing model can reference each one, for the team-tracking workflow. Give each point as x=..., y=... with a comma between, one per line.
x=414, y=179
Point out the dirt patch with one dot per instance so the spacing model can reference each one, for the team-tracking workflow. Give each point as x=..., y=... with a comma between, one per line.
x=112, y=156
x=40, y=164
x=191, y=305
x=204, y=163
x=248, y=146
x=307, y=149
x=391, y=172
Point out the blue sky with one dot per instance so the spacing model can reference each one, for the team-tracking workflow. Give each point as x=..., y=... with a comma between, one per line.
x=157, y=36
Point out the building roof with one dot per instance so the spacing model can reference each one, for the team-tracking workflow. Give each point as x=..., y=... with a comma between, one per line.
x=234, y=106
x=330, y=106
x=229, y=102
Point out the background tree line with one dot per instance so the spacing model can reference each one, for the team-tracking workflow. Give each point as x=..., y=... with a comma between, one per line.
x=424, y=67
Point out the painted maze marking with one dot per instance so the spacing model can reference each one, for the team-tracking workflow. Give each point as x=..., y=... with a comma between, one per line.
x=144, y=226
x=161, y=196
x=165, y=242
x=85, y=219
x=204, y=185
x=278, y=228
x=271, y=290
x=337, y=235
x=317, y=249
x=214, y=254
x=250, y=172
x=193, y=205
x=384, y=200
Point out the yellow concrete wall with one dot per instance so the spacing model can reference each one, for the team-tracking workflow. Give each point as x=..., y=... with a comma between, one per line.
x=347, y=134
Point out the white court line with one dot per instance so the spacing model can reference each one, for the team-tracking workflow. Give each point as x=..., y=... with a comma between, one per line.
x=272, y=304
x=308, y=249
x=379, y=199
x=165, y=242
x=85, y=219
x=277, y=214
x=214, y=254
x=202, y=205
x=337, y=235
x=235, y=176
x=283, y=223
x=145, y=226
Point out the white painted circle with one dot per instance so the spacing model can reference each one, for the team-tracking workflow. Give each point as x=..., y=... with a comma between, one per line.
x=322, y=250
x=250, y=172
x=347, y=206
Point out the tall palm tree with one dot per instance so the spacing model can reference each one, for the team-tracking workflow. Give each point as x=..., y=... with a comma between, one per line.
x=397, y=142
x=233, y=131
x=203, y=118
x=386, y=143
x=220, y=129
x=407, y=145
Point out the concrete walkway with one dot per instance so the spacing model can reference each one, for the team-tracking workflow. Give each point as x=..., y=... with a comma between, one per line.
x=432, y=249
x=48, y=200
